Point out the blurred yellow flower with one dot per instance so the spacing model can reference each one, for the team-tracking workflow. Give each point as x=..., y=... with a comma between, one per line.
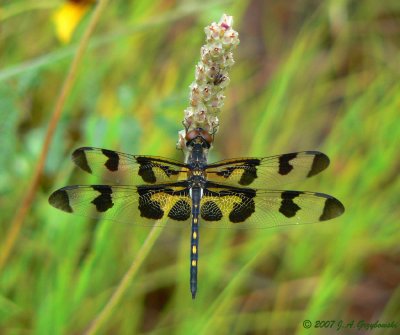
x=68, y=16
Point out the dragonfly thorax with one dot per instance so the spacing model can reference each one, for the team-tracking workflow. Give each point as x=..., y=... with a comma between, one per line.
x=197, y=179
x=197, y=164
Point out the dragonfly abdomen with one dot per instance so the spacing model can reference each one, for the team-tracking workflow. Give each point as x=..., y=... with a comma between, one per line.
x=194, y=256
x=194, y=244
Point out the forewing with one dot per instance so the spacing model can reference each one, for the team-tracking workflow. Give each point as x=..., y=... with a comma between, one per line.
x=123, y=168
x=268, y=172
x=143, y=205
x=230, y=207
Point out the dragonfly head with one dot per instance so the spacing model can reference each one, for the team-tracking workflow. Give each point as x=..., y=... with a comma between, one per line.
x=198, y=137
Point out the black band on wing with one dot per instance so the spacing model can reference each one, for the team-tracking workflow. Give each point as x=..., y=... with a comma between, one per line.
x=146, y=169
x=288, y=207
x=113, y=159
x=241, y=201
x=181, y=211
x=210, y=211
x=104, y=201
x=332, y=209
x=60, y=199
x=247, y=167
x=320, y=163
x=284, y=163
x=79, y=157
x=150, y=205
x=242, y=211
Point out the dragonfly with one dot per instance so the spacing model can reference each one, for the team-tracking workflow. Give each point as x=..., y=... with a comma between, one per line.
x=232, y=193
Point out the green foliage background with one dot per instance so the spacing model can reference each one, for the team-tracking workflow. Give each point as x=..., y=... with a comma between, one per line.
x=309, y=75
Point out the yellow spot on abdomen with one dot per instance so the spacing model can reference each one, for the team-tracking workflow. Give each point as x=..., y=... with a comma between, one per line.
x=194, y=249
x=194, y=263
x=194, y=235
x=195, y=220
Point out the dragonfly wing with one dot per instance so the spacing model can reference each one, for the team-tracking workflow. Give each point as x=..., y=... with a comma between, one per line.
x=268, y=172
x=231, y=207
x=143, y=205
x=123, y=168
